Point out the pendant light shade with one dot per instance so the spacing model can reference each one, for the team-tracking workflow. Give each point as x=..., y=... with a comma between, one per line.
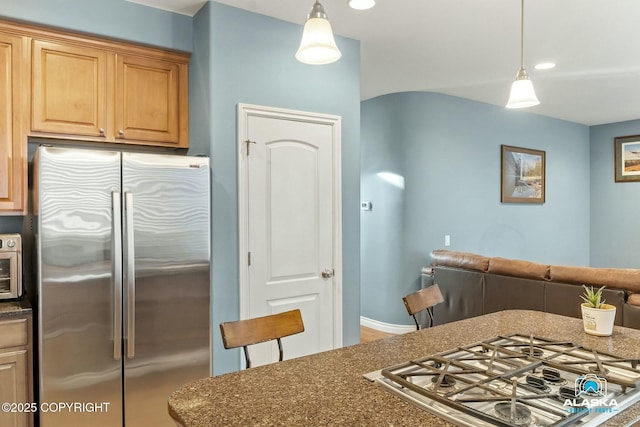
x=317, y=45
x=522, y=93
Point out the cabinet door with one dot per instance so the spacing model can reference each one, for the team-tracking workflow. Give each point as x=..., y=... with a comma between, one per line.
x=151, y=100
x=13, y=148
x=13, y=387
x=69, y=89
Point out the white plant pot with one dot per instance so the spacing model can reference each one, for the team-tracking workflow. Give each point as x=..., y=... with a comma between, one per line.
x=598, y=321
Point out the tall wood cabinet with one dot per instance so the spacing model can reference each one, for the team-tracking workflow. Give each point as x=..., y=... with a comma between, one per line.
x=13, y=147
x=15, y=371
x=61, y=85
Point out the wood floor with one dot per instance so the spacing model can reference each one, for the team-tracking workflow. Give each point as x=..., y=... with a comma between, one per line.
x=368, y=334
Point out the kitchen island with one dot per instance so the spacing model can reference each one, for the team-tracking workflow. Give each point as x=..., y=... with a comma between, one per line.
x=329, y=388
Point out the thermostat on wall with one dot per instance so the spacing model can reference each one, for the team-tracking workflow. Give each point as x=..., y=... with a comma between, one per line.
x=366, y=206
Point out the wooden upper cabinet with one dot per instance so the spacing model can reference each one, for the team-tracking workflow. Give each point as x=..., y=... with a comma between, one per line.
x=69, y=88
x=89, y=89
x=13, y=147
x=151, y=102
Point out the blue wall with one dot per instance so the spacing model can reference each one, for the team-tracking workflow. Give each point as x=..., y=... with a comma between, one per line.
x=615, y=232
x=448, y=151
x=252, y=61
x=110, y=18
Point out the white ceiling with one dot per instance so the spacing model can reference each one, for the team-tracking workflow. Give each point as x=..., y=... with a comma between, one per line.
x=471, y=49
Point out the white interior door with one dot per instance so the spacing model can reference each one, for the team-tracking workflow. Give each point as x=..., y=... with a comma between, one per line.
x=290, y=230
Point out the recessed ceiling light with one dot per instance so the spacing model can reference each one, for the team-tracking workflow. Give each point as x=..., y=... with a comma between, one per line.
x=361, y=4
x=545, y=66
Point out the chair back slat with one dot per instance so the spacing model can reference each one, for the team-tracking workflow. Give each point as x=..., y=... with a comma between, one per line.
x=423, y=299
x=241, y=333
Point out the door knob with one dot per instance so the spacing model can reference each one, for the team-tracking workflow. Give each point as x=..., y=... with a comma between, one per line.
x=327, y=274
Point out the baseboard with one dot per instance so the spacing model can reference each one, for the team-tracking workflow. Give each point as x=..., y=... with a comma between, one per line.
x=386, y=327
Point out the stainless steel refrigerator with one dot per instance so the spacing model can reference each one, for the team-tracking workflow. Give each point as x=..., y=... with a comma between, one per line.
x=123, y=283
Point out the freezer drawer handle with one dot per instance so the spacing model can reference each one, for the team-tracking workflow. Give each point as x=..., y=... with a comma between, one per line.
x=116, y=253
x=130, y=276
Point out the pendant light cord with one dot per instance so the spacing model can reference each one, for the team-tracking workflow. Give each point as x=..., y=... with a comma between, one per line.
x=522, y=93
x=522, y=34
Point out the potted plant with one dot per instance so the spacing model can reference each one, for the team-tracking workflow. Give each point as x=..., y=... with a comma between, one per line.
x=597, y=316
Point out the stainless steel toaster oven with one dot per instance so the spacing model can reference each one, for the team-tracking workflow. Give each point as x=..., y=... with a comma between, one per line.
x=10, y=266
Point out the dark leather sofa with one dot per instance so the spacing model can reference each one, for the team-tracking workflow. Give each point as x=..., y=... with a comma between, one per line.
x=473, y=285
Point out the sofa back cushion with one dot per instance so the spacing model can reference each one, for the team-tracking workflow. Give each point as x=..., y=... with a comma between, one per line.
x=512, y=293
x=518, y=268
x=631, y=316
x=462, y=293
x=564, y=299
x=634, y=299
x=618, y=278
x=464, y=260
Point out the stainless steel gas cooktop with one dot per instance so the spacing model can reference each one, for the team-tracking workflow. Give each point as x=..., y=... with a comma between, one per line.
x=517, y=380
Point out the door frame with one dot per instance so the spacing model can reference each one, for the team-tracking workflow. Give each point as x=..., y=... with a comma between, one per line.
x=244, y=112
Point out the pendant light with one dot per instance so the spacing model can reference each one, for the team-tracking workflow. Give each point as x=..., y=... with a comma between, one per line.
x=361, y=4
x=522, y=93
x=317, y=45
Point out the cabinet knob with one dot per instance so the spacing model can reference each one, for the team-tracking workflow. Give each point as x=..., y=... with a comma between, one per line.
x=121, y=132
x=101, y=130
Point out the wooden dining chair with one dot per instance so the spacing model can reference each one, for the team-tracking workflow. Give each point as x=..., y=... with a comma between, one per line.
x=424, y=299
x=243, y=333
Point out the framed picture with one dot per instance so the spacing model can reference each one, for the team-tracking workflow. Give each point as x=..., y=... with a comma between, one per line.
x=523, y=175
x=627, y=158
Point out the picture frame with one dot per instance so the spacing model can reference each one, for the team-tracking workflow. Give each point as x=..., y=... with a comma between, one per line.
x=522, y=177
x=627, y=158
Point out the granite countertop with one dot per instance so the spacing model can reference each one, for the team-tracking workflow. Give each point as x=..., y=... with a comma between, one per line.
x=328, y=388
x=15, y=308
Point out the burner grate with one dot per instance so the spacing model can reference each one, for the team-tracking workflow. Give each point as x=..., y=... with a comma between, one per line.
x=580, y=360
x=512, y=380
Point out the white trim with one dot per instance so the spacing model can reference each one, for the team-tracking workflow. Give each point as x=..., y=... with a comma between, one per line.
x=244, y=111
x=386, y=327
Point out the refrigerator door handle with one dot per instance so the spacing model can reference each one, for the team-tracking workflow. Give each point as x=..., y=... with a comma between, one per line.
x=130, y=275
x=116, y=251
